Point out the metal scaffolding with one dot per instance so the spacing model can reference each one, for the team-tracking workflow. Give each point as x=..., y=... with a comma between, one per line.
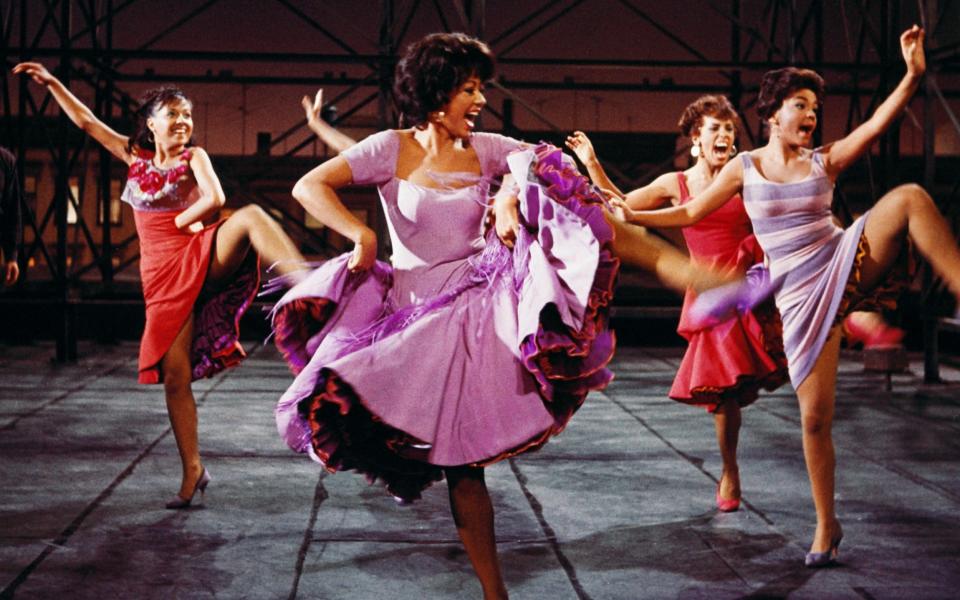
x=80, y=35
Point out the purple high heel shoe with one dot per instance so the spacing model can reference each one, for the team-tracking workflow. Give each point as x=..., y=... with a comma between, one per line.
x=179, y=501
x=721, y=303
x=816, y=560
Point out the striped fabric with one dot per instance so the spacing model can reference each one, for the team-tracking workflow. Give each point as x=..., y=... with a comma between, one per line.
x=795, y=228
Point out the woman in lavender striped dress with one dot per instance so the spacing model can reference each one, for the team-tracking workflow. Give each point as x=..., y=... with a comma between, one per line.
x=825, y=272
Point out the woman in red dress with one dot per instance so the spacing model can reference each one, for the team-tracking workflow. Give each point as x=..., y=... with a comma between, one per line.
x=197, y=280
x=728, y=362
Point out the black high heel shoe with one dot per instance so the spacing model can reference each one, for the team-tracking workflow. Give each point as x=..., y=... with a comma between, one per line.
x=179, y=501
x=815, y=560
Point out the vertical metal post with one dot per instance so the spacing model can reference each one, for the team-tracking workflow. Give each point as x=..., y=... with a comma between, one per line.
x=931, y=358
x=105, y=157
x=385, y=80
x=66, y=334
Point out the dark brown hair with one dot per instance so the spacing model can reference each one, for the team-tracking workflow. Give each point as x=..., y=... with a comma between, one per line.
x=780, y=83
x=432, y=69
x=150, y=101
x=717, y=107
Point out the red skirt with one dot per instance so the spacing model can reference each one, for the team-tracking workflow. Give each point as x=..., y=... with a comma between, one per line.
x=173, y=269
x=735, y=358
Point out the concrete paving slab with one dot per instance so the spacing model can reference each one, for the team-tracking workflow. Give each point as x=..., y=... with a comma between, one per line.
x=619, y=506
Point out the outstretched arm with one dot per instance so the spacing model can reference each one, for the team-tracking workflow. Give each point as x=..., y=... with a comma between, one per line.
x=583, y=148
x=656, y=194
x=727, y=183
x=316, y=191
x=78, y=112
x=328, y=134
x=843, y=153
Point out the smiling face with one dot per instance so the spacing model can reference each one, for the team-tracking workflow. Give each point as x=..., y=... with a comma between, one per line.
x=461, y=112
x=796, y=119
x=172, y=123
x=716, y=138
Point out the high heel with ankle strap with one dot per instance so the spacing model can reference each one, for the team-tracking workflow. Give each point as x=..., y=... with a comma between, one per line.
x=179, y=501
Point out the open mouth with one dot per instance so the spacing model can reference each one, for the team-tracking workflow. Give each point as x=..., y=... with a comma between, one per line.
x=471, y=119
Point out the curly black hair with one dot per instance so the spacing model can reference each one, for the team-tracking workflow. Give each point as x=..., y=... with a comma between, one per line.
x=780, y=83
x=715, y=106
x=432, y=69
x=149, y=102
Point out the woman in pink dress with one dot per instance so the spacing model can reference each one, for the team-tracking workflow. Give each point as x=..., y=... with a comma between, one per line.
x=726, y=362
x=197, y=280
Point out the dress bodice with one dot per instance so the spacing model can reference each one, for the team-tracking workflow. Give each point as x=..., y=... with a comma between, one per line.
x=152, y=188
x=792, y=221
x=433, y=231
x=717, y=238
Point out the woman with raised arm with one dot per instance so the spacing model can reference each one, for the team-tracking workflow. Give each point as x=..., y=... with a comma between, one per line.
x=824, y=271
x=328, y=134
x=727, y=362
x=197, y=280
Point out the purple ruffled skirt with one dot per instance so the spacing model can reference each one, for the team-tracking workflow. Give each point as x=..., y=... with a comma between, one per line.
x=493, y=365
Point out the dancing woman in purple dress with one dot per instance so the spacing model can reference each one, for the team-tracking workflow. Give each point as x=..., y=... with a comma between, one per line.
x=472, y=346
x=826, y=272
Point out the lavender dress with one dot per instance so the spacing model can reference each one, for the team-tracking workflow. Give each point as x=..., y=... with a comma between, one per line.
x=807, y=251
x=462, y=352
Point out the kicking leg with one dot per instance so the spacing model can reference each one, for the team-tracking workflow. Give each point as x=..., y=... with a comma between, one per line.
x=635, y=246
x=250, y=227
x=908, y=210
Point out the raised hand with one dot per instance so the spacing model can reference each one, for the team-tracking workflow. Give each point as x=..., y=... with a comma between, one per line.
x=911, y=43
x=35, y=71
x=312, y=109
x=581, y=146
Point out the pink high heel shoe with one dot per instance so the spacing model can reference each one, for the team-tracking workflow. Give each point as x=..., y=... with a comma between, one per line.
x=880, y=336
x=724, y=504
x=180, y=502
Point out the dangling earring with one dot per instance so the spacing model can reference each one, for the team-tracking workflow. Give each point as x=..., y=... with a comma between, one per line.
x=733, y=150
x=150, y=137
x=695, y=150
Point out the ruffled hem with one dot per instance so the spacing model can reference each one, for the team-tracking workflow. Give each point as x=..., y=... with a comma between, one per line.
x=564, y=350
x=764, y=369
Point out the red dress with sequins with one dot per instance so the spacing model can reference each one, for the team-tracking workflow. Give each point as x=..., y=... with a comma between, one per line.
x=173, y=269
x=737, y=357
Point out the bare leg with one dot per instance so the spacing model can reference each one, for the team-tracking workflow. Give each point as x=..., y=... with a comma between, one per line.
x=726, y=419
x=635, y=246
x=181, y=406
x=816, y=395
x=251, y=227
x=908, y=210
x=473, y=515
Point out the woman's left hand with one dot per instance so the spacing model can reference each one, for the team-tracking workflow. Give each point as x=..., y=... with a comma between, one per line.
x=911, y=43
x=506, y=219
x=191, y=228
